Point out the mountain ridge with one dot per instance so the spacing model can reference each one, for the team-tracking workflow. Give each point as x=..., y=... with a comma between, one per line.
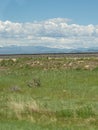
x=43, y=49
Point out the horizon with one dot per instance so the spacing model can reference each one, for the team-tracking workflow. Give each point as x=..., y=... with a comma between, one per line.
x=7, y=50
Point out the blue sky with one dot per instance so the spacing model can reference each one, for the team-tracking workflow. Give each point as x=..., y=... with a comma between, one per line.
x=80, y=11
x=53, y=23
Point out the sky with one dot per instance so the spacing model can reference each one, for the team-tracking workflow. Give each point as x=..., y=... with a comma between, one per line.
x=51, y=23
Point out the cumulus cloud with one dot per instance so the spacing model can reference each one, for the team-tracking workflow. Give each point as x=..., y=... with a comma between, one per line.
x=57, y=32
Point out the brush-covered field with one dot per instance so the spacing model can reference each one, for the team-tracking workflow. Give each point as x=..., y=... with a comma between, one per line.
x=49, y=93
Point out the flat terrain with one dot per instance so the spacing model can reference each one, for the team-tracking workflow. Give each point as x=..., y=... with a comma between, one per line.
x=49, y=92
x=86, y=54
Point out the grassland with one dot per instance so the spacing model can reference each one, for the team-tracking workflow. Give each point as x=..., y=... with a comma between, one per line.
x=49, y=93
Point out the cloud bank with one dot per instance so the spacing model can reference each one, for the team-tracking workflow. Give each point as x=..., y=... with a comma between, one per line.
x=54, y=33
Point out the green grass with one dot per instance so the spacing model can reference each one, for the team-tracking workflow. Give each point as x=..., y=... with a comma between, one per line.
x=50, y=94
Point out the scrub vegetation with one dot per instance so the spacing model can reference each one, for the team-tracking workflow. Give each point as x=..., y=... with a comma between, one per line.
x=49, y=93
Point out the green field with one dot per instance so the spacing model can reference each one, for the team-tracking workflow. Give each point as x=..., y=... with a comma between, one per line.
x=48, y=93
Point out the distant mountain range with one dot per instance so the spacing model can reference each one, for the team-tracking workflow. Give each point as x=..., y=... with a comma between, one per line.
x=42, y=49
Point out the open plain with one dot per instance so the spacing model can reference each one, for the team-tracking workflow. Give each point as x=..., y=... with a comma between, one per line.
x=49, y=92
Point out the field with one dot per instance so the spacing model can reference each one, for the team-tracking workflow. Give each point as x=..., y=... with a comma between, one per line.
x=49, y=93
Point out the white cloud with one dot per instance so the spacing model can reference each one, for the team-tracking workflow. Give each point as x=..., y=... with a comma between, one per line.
x=57, y=32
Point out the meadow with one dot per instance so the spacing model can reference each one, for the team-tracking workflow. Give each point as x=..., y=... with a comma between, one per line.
x=49, y=93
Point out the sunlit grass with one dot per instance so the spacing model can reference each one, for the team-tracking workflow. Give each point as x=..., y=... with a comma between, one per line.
x=49, y=94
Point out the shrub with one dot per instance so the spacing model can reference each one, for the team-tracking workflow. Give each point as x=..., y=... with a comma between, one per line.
x=7, y=62
x=34, y=83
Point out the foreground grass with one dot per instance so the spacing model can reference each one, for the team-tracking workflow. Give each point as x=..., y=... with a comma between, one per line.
x=49, y=93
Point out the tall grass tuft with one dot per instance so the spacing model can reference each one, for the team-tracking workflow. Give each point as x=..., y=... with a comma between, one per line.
x=67, y=113
x=85, y=112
